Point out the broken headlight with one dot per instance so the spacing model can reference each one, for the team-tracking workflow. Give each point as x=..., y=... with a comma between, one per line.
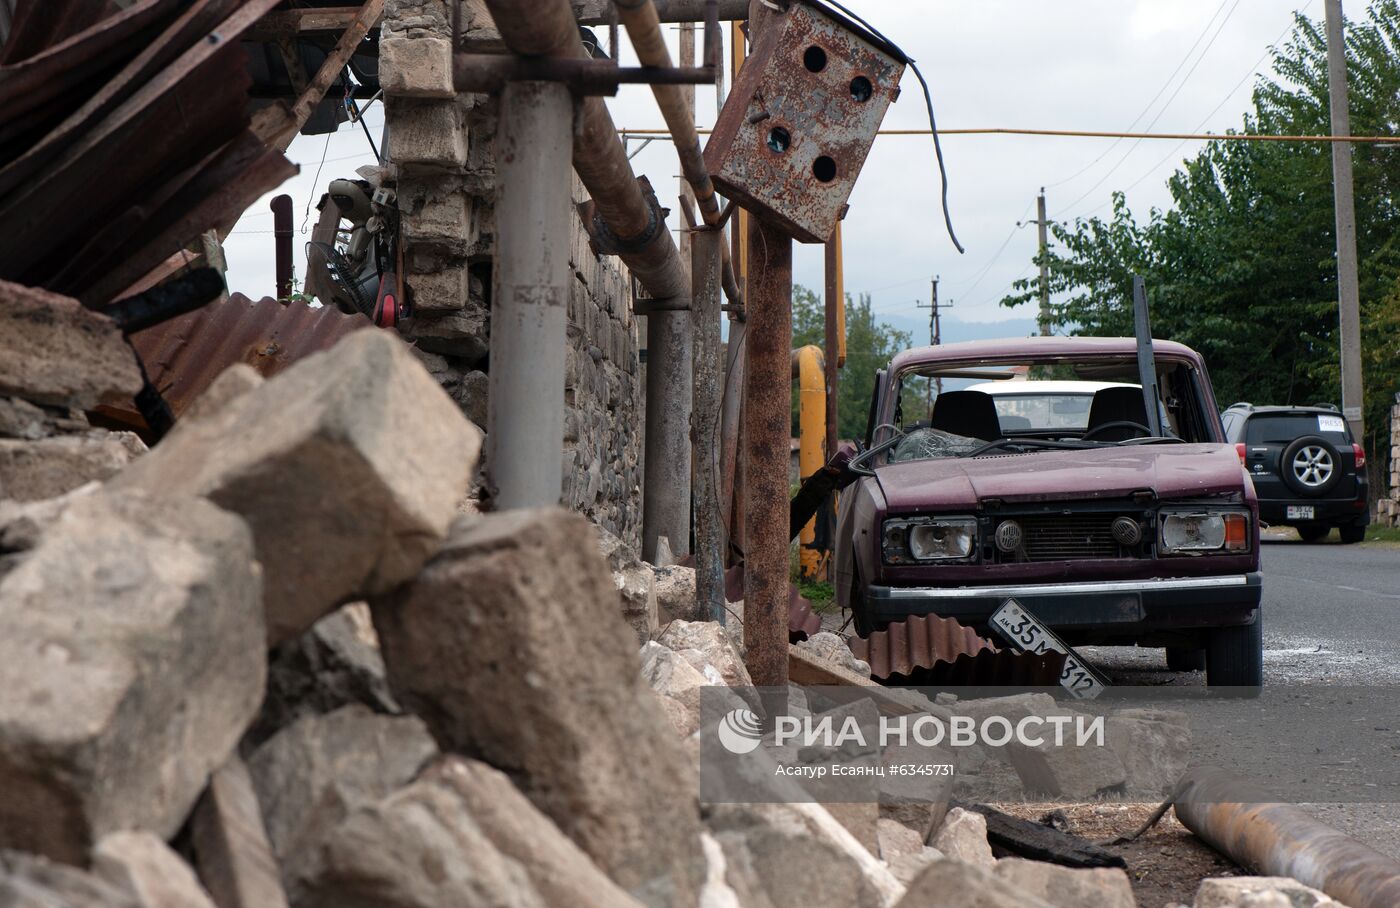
x=1204, y=532
x=915, y=540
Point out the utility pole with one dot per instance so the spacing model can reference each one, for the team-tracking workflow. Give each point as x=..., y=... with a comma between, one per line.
x=1041, y=231
x=935, y=330
x=1348, y=290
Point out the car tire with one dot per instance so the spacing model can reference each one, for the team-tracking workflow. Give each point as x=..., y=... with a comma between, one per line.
x=1235, y=656
x=1185, y=659
x=1310, y=466
x=1313, y=532
x=860, y=614
x=1352, y=534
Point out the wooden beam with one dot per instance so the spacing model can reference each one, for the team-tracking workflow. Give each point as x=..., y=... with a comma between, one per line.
x=278, y=131
x=287, y=23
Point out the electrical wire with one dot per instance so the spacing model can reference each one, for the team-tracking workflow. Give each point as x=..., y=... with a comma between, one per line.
x=932, y=123
x=1138, y=119
x=1121, y=161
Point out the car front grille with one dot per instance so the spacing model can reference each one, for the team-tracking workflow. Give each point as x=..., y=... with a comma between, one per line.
x=1068, y=537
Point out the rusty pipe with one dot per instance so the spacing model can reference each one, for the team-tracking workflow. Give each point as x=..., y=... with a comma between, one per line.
x=644, y=28
x=594, y=13
x=282, y=235
x=1277, y=839
x=547, y=28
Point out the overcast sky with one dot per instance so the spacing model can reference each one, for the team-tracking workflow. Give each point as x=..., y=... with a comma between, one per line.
x=1158, y=65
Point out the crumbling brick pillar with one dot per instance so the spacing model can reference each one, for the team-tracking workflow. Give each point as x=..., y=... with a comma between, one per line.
x=441, y=152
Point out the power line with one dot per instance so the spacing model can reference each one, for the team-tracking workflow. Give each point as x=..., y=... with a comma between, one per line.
x=1100, y=134
x=1138, y=118
x=1182, y=84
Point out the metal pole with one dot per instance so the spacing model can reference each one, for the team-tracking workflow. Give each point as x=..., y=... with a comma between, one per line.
x=767, y=423
x=704, y=419
x=529, y=309
x=282, y=235
x=666, y=473
x=832, y=342
x=1042, y=231
x=1348, y=290
x=1278, y=839
x=731, y=409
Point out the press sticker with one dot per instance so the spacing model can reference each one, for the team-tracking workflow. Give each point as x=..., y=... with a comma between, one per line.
x=1331, y=424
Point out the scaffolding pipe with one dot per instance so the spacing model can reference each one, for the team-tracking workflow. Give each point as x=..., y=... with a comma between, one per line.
x=808, y=368
x=835, y=338
x=529, y=310
x=547, y=28
x=705, y=245
x=282, y=235
x=1281, y=840
x=730, y=419
x=767, y=430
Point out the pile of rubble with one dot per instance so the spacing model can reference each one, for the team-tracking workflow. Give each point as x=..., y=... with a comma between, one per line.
x=273, y=662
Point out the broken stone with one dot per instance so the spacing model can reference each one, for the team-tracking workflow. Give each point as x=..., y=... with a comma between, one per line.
x=231, y=849
x=634, y=586
x=907, y=867
x=620, y=555
x=717, y=893
x=1103, y=887
x=958, y=884
x=348, y=468
x=426, y=134
x=228, y=386
x=335, y=663
x=675, y=592
x=510, y=645
x=462, y=333
x=1153, y=753
x=418, y=67
x=21, y=419
x=132, y=661
x=143, y=865
x=461, y=835
x=49, y=467
x=677, y=683
x=29, y=881
x=1260, y=892
x=896, y=840
x=53, y=350
x=1067, y=770
x=314, y=773
x=796, y=855
x=832, y=648
x=442, y=290
x=963, y=837
x=916, y=801
x=711, y=640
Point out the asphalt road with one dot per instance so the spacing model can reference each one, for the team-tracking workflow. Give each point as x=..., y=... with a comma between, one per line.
x=1331, y=624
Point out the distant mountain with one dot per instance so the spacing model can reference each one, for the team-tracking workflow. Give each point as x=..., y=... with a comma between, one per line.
x=953, y=330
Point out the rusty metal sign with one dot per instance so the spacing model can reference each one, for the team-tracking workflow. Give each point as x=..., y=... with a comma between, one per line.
x=797, y=127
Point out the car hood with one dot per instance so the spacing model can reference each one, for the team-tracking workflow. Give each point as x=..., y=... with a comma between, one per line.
x=1169, y=470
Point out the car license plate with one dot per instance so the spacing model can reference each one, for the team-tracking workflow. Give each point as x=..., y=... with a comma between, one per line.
x=1026, y=633
x=1300, y=512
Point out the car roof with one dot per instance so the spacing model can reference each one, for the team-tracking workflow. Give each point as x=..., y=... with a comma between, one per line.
x=1032, y=347
x=1276, y=409
x=1015, y=386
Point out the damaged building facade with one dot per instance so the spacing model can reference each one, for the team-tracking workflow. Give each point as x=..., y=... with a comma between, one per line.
x=443, y=147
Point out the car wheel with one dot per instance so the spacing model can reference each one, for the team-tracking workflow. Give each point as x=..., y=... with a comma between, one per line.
x=1352, y=534
x=1313, y=532
x=1310, y=466
x=860, y=614
x=1235, y=656
x=1185, y=659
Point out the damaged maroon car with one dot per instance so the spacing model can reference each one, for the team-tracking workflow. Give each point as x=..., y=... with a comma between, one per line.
x=1034, y=469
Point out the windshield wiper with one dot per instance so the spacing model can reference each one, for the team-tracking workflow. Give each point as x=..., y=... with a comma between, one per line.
x=1027, y=442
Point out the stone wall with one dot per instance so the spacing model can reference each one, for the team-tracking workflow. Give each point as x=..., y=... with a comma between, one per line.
x=442, y=148
x=1388, y=508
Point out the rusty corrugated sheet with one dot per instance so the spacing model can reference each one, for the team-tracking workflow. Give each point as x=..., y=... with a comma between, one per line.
x=802, y=621
x=184, y=355
x=929, y=650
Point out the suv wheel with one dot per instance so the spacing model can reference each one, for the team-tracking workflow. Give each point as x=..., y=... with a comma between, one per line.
x=1313, y=532
x=1352, y=534
x=1185, y=659
x=1235, y=655
x=1310, y=466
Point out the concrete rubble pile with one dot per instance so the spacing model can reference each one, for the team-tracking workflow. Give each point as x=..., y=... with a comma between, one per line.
x=271, y=662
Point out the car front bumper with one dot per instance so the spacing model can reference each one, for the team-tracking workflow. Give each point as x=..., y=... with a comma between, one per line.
x=1118, y=606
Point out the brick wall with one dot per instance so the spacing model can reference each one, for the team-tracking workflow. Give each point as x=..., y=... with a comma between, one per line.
x=1388, y=508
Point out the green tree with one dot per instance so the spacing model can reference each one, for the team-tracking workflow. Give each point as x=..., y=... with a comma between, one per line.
x=870, y=344
x=1242, y=265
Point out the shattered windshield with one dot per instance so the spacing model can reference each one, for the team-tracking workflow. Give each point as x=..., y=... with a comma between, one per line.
x=922, y=444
